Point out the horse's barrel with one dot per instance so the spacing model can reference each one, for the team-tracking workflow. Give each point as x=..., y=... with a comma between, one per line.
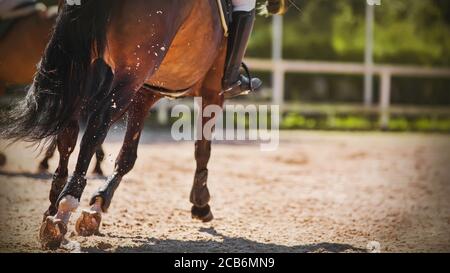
x=277, y=6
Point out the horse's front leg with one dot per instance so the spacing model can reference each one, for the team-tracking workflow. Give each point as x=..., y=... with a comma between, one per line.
x=52, y=228
x=89, y=222
x=43, y=166
x=200, y=196
x=65, y=142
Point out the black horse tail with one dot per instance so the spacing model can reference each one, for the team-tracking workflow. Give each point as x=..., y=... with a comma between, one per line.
x=59, y=87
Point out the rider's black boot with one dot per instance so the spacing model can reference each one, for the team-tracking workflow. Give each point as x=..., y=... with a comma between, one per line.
x=234, y=83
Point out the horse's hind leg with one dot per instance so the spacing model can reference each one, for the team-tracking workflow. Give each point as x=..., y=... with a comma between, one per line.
x=52, y=228
x=65, y=142
x=43, y=166
x=89, y=221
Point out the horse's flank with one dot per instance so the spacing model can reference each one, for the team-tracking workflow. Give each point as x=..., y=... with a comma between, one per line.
x=186, y=57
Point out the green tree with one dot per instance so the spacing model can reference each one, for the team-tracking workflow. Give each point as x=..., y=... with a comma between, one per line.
x=406, y=32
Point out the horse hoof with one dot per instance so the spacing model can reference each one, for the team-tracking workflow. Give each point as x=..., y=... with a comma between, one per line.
x=51, y=211
x=46, y=215
x=2, y=160
x=88, y=223
x=51, y=233
x=203, y=214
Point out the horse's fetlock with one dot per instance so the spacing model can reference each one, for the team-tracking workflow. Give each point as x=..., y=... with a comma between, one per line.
x=68, y=204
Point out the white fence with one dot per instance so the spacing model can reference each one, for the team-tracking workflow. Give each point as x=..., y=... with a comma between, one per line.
x=279, y=69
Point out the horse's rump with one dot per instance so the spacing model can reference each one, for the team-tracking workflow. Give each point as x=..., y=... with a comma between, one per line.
x=190, y=49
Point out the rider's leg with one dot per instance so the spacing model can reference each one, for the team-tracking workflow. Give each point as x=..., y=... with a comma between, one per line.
x=241, y=27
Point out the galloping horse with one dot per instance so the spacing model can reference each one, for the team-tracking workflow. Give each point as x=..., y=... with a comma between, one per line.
x=172, y=45
x=21, y=49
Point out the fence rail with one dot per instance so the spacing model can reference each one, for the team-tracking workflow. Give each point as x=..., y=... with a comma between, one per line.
x=385, y=72
x=280, y=67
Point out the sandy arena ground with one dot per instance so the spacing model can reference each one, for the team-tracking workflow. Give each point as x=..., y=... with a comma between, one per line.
x=320, y=192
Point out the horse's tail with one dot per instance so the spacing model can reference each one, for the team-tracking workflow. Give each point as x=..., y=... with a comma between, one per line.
x=59, y=87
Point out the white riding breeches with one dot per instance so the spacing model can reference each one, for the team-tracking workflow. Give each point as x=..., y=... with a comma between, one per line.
x=243, y=5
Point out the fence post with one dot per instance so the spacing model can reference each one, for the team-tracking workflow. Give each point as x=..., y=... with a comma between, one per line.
x=368, y=56
x=277, y=57
x=385, y=98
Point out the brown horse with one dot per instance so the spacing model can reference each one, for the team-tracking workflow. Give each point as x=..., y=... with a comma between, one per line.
x=170, y=45
x=21, y=49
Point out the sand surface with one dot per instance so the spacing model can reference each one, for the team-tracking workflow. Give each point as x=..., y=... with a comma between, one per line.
x=320, y=192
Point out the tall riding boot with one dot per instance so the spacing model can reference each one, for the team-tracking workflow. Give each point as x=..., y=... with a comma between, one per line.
x=234, y=83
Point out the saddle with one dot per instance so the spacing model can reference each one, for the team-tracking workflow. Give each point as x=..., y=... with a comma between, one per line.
x=10, y=17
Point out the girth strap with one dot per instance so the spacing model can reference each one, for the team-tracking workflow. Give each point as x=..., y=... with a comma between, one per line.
x=168, y=93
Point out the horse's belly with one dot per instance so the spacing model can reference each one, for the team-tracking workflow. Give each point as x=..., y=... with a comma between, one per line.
x=193, y=51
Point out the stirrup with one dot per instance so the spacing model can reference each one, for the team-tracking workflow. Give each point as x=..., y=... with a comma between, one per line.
x=235, y=89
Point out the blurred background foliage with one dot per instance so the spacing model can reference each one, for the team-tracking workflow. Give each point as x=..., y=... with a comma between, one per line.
x=407, y=32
